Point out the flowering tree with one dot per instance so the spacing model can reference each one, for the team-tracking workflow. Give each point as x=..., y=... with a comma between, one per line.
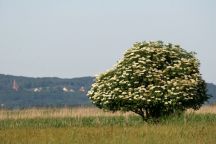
x=152, y=79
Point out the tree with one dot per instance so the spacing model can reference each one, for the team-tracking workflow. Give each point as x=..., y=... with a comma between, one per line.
x=153, y=79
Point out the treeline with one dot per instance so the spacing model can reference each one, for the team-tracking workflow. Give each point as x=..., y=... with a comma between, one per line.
x=43, y=92
x=211, y=91
x=27, y=83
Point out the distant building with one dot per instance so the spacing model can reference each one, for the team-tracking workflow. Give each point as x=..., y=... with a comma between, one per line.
x=15, y=86
x=71, y=90
x=37, y=89
x=65, y=89
x=82, y=89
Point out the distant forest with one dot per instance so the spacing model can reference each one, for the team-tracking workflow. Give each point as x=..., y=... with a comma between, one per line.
x=25, y=92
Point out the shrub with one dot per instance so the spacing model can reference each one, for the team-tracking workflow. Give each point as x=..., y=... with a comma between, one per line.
x=153, y=79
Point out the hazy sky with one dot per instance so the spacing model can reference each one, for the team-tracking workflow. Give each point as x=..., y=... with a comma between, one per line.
x=74, y=38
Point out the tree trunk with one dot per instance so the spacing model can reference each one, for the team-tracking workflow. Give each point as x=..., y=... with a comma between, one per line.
x=141, y=113
x=143, y=116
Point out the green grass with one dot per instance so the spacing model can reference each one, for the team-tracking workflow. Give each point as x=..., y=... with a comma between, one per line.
x=184, y=129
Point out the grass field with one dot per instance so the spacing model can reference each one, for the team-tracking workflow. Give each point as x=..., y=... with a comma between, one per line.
x=94, y=126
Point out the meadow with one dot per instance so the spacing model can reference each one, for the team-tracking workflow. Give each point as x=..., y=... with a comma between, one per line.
x=94, y=126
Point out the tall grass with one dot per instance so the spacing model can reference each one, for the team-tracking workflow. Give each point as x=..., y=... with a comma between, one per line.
x=144, y=134
x=76, y=112
x=105, y=121
x=198, y=129
x=93, y=126
x=57, y=113
x=205, y=109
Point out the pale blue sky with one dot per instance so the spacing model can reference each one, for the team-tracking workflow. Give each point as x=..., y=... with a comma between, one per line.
x=74, y=38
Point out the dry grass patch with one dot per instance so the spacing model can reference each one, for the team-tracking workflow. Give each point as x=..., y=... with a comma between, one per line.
x=57, y=113
x=205, y=110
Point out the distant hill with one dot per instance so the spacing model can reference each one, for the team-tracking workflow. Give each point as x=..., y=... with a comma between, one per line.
x=24, y=92
x=211, y=91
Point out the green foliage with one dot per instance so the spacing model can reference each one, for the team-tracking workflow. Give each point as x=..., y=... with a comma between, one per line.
x=153, y=79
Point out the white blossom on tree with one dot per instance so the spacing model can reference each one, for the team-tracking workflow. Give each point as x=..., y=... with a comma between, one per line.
x=152, y=79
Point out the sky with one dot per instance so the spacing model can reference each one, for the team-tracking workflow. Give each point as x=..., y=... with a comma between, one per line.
x=75, y=38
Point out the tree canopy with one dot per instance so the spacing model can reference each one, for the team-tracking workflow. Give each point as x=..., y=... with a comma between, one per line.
x=152, y=79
